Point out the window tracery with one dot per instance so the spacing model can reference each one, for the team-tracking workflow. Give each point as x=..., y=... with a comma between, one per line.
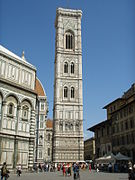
x=25, y=111
x=72, y=92
x=69, y=40
x=65, y=67
x=72, y=68
x=10, y=109
x=65, y=92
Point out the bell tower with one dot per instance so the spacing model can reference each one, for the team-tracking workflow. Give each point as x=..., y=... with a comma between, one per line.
x=68, y=99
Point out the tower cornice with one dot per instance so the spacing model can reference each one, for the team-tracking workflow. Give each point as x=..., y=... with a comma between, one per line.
x=69, y=12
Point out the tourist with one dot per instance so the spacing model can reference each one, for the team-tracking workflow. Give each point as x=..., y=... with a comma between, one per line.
x=64, y=170
x=19, y=170
x=4, y=172
x=97, y=167
x=130, y=172
x=110, y=167
x=90, y=167
x=40, y=167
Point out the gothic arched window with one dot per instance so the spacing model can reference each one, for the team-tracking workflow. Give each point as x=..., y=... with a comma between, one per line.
x=69, y=40
x=77, y=126
x=25, y=112
x=72, y=68
x=48, y=151
x=65, y=67
x=61, y=127
x=72, y=92
x=71, y=127
x=65, y=92
x=49, y=137
x=10, y=109
x=66, y=126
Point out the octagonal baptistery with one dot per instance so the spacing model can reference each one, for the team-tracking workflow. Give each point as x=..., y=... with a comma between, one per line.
x=17, y=110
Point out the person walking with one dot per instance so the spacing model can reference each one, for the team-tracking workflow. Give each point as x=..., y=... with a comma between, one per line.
x=76, y=171
x=4, y=172
x=130, y=173
x=19, y=170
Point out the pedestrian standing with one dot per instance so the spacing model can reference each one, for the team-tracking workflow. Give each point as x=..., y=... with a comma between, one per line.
x=110, y=167
x=134, y=172
x=90, y=167
x=64, y=170
x=97, y=167
x=47, y=167
x=130, y=171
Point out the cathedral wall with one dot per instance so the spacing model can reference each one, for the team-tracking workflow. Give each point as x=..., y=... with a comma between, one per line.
x=14, y=72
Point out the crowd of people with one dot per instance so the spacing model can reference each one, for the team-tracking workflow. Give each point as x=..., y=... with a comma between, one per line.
x=68, y=168
x=46, y=167
x=118, y=167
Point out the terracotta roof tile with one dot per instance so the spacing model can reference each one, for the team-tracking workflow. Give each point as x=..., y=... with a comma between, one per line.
x=49, y=123
x=39, y=88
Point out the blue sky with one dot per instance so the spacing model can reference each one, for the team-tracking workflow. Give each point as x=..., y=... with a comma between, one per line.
x=108, y=42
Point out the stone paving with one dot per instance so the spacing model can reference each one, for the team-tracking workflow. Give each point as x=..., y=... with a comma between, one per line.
x=84, y=175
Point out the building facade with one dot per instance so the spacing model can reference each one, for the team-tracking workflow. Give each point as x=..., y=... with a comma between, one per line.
x=17, y=110
x=49, y=137
x=122, y=113
x=41, y=117
x=103, y=138
x=89, y=149
x=68, y=101
x=23, y=113
x=117, y=133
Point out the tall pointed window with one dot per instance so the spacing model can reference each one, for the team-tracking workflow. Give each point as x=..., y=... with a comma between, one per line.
x=25, y=110
x=61, y=126
x=10, y=109
x=49, y=137
x=72, y=68
x=65, y=67
x=72, y=92
x=65, y=92
x=69, y=40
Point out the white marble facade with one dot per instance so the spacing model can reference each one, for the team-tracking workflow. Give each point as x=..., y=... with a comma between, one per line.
x=49, y=134
x=68, y=99
x=40, y=131
x=17, y=110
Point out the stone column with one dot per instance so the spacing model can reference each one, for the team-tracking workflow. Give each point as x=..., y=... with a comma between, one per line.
x=18, y=117
x=15, y=137
x=15, y=152
x=31, y=140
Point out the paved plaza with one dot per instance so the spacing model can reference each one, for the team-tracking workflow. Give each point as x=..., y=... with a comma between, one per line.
x=84, y=175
